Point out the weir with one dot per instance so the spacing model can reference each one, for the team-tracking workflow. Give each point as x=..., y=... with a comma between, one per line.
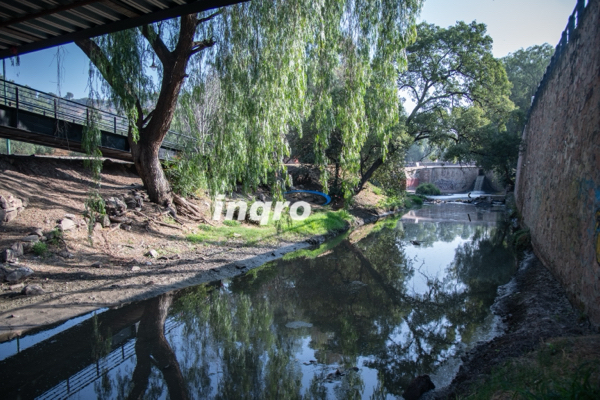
x=479, y=183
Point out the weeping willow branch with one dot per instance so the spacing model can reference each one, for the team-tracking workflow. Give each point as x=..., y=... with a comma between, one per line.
x=103, y=64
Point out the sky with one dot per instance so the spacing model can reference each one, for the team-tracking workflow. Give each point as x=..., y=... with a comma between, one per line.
x=512, y=24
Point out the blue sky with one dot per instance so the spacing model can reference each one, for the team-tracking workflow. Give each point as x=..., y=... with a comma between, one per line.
x=513, y=24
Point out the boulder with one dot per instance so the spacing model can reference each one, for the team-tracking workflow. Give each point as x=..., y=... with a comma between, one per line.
x=32, y=290
x=31, y=238
x=65, y=254
x=115, y=206
x=66, y=224
x=36, y=231
x=104, y=220
x=8, y=215
x=417, y=387
x=7, y=255
x=17, y=249
x=13, y=275
x=135, y=201
x=10, y=207
x=152, y=253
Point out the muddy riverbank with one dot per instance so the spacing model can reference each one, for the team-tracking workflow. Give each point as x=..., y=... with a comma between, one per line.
x=534, y=309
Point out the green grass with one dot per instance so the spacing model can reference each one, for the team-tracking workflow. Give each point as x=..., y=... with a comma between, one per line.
x=317, y=223
x=377, y=190
x=392, y=202
x=561, y=369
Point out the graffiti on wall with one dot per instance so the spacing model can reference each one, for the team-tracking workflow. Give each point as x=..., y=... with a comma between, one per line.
x=448, y=185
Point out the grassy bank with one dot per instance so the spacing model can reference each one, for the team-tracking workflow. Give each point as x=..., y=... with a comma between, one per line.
x=318, y=223
x=563, y=368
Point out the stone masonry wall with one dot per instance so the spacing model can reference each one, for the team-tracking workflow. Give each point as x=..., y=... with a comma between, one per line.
x=449, y=179
x=558, y=178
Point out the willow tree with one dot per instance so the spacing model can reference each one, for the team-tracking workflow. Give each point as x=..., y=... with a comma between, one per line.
x=264, y=53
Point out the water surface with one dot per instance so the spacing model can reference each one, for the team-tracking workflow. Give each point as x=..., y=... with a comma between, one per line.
x=359, y=317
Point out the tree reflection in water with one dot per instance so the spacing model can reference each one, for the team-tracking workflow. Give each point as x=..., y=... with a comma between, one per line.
x=234, y=342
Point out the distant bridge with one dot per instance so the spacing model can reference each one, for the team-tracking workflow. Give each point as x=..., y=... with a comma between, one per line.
x=32, y=116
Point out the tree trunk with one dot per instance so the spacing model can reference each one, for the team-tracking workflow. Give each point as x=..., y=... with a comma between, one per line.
x=147, y=164
x=153, y=348
x=153, y=129
x=367, y=175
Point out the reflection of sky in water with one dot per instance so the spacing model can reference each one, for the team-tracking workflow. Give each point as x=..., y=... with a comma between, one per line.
x=328, y=292
x=430, y=262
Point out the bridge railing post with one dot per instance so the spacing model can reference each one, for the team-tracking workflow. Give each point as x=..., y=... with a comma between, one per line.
x=17, y=107
x=115, y=124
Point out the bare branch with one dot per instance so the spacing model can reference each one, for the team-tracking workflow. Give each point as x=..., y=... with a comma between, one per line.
x=159, y=47
x=211, y=16
x=199, y=46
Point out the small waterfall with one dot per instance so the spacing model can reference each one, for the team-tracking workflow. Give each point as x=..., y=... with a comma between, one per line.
x=479, y=183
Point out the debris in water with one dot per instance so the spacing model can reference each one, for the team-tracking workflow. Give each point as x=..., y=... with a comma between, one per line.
x=298, y=325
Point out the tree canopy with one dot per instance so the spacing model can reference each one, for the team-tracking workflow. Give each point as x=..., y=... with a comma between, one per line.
x=493, y=141
x=525, y=69
x=448, y=70
x=265, y=55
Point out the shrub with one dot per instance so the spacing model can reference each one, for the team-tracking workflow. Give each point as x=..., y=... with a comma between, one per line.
x=416, y=200
x=377, y=190
x=428, y=189
x=55, y=237
x=39, y=249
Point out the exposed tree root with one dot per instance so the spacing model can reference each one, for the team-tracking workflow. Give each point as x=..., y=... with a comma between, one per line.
x=189, y=210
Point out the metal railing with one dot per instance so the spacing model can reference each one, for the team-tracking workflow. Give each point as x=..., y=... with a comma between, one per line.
x=567, y=36
x=49, y=105
x=87, y=376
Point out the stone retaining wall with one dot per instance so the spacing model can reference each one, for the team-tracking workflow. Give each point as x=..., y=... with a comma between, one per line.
x=558, y=178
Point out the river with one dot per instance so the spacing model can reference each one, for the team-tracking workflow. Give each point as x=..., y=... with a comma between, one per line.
x=358, y=317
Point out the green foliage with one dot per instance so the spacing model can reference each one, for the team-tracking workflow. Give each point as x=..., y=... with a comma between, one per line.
x=522, y=240
x=101, y=343
x=391, y=202
x=450, y=68
x=280, y=64
x=416, y=200
x=23, y=148
x=377, y=190
x=391, y=174
x=94, y=206
x=492, y=144
x=525, y=69
x=493, y=140
x=428, y=189
x=447, y=69
x=57, y=237
x=40, y=249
